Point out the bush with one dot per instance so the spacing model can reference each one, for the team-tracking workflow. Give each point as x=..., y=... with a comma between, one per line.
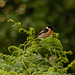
x=36, y=56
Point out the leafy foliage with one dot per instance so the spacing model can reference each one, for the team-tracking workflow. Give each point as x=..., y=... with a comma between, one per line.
x=35, y=56
x=37, y=14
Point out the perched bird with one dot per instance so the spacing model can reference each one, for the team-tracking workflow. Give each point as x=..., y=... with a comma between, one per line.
x=46, y=32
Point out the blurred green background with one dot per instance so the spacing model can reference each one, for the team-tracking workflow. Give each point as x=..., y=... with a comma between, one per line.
x=37, y=14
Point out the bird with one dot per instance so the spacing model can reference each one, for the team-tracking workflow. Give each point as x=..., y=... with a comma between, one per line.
x=47, y=32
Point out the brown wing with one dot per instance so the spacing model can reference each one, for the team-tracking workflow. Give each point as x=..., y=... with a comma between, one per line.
x=43, y=31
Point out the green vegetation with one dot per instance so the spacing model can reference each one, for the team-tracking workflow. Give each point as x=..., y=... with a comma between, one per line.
x=38, y=14
x=35, y=56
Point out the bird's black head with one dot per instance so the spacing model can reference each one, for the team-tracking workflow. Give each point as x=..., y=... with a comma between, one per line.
x=50, y=27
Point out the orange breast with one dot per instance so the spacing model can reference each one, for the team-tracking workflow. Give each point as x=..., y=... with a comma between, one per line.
x=47, y=34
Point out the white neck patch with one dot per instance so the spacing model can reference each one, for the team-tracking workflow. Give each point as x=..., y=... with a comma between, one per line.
x=47, y=28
